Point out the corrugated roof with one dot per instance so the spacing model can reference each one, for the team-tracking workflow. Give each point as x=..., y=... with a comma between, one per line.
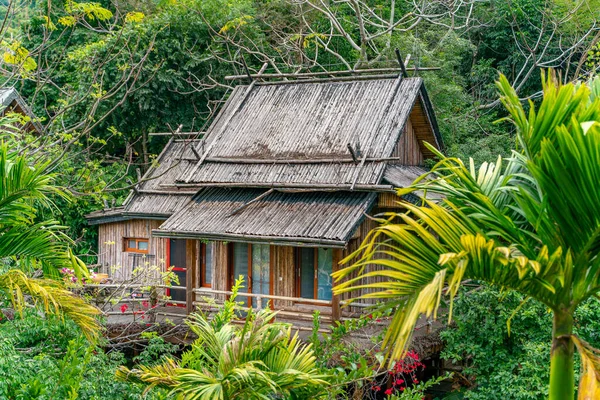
x=402, y=176
x=306, y=121
x=311, y=218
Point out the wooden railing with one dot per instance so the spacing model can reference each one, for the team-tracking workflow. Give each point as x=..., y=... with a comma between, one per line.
x=288, y=308
x=259, y=297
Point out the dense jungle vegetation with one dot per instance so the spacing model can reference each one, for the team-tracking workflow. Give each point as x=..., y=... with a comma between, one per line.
x=101, y=76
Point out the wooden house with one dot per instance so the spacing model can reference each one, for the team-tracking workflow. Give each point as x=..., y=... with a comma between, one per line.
x=276, y=191
x=12, y=102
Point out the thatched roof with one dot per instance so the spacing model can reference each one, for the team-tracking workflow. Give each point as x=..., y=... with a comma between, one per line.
x=285, y=137
x=298, y=134
x=311, y=218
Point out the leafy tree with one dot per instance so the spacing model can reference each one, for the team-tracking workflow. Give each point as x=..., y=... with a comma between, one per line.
x=499, y=365
x=529, y=223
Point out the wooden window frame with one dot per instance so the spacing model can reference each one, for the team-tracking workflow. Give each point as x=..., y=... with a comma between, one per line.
x=128, y=249
x=231, y=279
x=203, y=283
x=298, y=274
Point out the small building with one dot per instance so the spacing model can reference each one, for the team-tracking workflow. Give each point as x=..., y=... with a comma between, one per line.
x=12, y=102
x=278, y=190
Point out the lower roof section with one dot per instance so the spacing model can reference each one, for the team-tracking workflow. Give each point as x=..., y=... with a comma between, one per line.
x=257, y=215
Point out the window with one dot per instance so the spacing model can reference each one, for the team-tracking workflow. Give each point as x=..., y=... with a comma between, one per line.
x=314, y=268
x=136, y=245
x=253, y=262
x=206, y=264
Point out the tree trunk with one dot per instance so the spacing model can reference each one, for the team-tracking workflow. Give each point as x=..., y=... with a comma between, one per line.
x=562, y=380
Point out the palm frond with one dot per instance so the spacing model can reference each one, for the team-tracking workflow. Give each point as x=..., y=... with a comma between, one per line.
x=50, y=297
x=259, y=360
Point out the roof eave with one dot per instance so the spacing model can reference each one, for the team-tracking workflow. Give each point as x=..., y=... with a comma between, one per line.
x=124, y=216
x=431, y=117
x=275, y=240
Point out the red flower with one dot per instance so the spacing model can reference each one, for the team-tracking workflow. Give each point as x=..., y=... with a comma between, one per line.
x=145, y=303
x=399, y=381
x=415, y=381
x=377, y=388
x=124, y=308
x=389, y=391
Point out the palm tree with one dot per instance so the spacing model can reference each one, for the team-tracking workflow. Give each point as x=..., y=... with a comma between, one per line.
x=26, y=244
x=529, y=223
x=259, y=360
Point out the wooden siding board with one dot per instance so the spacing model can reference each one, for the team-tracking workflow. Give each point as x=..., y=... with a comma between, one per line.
x=116, y=262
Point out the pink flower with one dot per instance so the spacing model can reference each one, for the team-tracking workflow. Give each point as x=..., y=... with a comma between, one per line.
x=124, y=308
x=145, y=303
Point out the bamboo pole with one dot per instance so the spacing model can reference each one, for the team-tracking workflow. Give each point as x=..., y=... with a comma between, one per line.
x=329, y=73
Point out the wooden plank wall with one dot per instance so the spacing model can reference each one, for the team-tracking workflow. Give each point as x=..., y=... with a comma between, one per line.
x=220, y=278
x=283, y=273
x=422, y=127
x=408, y=148
x=116, y=262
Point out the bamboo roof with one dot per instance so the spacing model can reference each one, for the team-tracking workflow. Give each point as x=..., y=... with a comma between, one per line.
x=299, y=133
x=290, y=162
x=308, y=218
x=11, y=100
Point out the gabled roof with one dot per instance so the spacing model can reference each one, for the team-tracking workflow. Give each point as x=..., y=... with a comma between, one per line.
x=309, y=218
x=298, y=134
x=275, y=165
x=11, y=100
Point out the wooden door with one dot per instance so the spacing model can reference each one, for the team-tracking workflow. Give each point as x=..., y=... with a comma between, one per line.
x=176, y=253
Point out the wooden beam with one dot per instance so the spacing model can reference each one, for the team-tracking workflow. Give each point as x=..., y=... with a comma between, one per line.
x=240, y=208
x=176, y=133
x=401, y=63
x=191, y=273
x=226, y=160
x=335, y=299
x=332, y=79
x=329, y=73
x=313, y=186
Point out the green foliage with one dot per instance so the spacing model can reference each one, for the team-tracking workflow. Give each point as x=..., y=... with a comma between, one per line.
x=47, y=359
x=511, y=366
x=259, y=360
x=155, y=350
x=527, y=224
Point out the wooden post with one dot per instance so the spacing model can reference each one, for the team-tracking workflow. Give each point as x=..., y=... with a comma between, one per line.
x=192, y=273
x=335, y=299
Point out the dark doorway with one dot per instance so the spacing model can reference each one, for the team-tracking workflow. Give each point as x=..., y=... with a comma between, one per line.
x=177, y=260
